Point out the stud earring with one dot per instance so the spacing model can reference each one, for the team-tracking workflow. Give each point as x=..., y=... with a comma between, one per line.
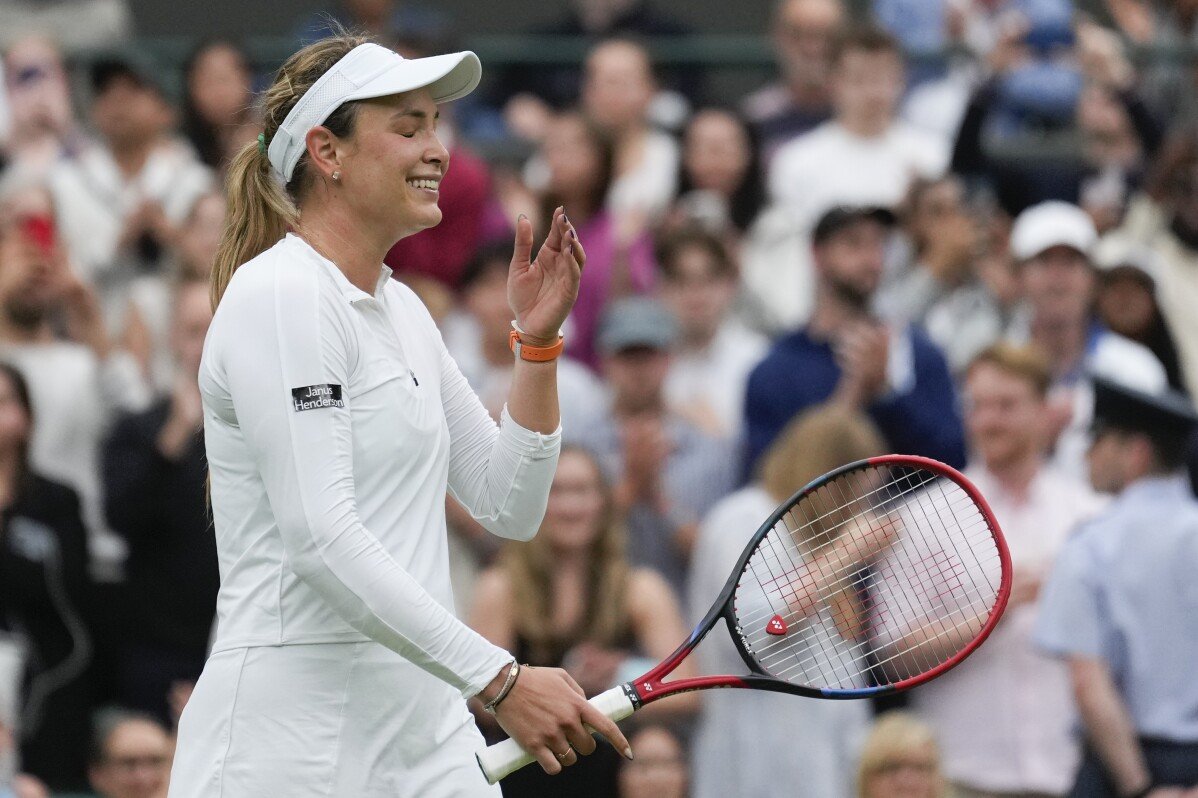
x=337, y=175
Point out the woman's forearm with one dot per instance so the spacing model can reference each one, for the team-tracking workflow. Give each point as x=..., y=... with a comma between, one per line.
x=532, y=399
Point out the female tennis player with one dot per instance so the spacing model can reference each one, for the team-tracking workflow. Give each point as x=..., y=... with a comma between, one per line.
x=335, y=420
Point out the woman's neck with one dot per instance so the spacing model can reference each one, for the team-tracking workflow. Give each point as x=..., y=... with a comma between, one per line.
x=1016, y=474
x=131, y=159
x=335, y=235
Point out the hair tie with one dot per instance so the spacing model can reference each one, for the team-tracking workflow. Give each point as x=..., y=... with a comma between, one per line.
x=262, y=143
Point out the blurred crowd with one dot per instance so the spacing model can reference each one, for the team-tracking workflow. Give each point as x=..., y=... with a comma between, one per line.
x=935, y=231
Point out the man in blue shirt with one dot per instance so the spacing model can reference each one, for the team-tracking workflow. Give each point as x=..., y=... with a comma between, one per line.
x=1121, y=606
x=845, y=354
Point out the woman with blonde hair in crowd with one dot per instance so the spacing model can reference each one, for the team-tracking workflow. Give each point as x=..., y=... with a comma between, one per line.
x=335, y=421
x=749, y=742
x=569, y=598
x=900, y=760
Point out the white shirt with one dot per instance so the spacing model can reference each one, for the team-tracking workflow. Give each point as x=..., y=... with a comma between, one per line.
x=92, y=200
x=832, y=166
x=716, y=376
x=334, y=421
x=749, y=742
x=1003, y=718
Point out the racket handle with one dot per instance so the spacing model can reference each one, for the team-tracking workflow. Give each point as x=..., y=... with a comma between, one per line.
x=506, y=757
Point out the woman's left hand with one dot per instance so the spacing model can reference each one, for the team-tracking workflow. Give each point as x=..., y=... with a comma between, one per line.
x=542, y=291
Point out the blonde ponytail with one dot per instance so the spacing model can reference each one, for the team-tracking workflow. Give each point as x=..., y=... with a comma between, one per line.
x=261, y=209
x=260, y=213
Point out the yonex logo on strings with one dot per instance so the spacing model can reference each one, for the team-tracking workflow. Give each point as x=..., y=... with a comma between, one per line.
x=776, y=626
x=313, y=397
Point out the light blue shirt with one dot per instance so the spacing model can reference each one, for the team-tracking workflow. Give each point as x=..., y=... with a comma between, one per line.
x=1125, y=590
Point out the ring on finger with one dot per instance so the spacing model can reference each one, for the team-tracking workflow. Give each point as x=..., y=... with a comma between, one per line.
x=562, y=757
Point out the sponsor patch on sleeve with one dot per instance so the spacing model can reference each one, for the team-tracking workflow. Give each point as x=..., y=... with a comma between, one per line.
x=314, y=397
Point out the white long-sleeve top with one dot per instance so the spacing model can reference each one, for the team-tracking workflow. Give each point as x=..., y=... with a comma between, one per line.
x=334, y=421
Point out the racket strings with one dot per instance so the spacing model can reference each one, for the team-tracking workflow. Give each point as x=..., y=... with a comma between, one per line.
x=934, y=630
x=877, y=576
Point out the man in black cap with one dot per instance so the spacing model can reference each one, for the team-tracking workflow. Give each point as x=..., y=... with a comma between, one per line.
x=845, y=354
x=1121, y=605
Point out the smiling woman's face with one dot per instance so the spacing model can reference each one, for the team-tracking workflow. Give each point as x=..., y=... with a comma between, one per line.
x=392, y=165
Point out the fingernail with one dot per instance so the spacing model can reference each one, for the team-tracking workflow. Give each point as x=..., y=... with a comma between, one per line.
x=628, y=753
x=564, y=218
x=521, y=216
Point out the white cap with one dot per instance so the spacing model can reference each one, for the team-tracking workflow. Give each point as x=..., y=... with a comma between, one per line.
x=369, y=70
x=1052, y=224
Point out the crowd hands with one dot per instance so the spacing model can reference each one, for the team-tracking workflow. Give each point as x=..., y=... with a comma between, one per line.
x=871, y=253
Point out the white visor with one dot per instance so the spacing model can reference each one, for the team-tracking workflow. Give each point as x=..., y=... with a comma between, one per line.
x=369, y=70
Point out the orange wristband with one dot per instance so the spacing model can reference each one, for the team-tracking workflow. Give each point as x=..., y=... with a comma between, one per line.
x=534, y=354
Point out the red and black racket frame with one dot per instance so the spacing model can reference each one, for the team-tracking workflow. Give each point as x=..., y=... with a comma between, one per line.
x=651, y=686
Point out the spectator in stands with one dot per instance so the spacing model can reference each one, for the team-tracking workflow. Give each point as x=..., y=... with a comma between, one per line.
x=667, y=472
x=802, y=33
x=1164, y=219
x=76, y=383
x=131, y=757
x=155, y=496
x=1052, y=242
x=1118, y=134
x=1128, y=302
x=120, y=201
x=900, y=758
x=219, y=111
x=846, y=355
x=578, y=159
x=747, y=744
x=618, y=86
x=1005, y=723
x=148, y=317
x=1120, y=605
x=864, y=155
x=966, y=319
x=720, y=183
x=571, y=599
x=659, y=770
x=710, y=364
x=942, y=238
x=45, y=597
x=44, y=127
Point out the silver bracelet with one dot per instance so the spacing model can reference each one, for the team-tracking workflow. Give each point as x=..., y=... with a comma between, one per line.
x=508, y=684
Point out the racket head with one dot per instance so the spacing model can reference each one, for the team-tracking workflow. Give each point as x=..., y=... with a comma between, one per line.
x=873, y=578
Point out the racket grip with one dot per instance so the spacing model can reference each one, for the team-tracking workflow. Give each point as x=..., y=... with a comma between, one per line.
x=506, y=757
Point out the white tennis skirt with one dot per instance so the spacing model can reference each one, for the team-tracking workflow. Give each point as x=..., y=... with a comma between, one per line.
x=338, y=720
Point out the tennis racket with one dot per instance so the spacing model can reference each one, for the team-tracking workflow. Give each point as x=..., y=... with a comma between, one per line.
x=874, y=578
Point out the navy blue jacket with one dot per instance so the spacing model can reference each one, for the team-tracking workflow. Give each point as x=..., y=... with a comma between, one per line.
x=800, y=371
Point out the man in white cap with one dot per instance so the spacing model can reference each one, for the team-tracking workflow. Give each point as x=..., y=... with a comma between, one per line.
x=1052, y=243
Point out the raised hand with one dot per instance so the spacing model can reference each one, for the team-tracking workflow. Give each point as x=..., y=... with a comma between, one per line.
x=542, y=291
